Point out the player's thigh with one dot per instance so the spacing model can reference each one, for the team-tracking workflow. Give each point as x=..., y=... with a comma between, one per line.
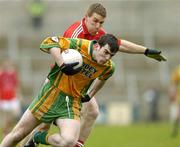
x=70, y=128
x=26, y=124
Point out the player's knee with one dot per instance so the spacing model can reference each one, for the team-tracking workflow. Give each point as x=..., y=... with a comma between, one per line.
x=44, y=126
x=68, y=140
x=92, y=112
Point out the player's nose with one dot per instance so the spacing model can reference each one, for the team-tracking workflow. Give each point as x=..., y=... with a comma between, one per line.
x=98, y=25
x=108, y=57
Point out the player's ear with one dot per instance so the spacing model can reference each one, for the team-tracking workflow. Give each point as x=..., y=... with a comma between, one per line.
x=86, y=16
x=96, y=46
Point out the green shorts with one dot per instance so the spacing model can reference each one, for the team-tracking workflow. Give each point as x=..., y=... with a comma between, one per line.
x=51, y=103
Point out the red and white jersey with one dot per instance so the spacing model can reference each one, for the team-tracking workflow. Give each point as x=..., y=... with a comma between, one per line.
x=79, y=30
x=8, y=85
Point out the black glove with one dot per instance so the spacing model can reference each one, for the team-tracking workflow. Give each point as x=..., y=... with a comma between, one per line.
x=68, y=68
x=85, y=98
x=155, y=54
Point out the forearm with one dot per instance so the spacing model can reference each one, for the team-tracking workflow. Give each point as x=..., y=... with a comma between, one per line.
x=98, y=84
x=56, y=54
x=129, y=47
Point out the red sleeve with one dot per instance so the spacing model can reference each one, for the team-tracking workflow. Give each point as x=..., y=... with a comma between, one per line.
x=119, y=42
x=69, y=31
x=15, y=77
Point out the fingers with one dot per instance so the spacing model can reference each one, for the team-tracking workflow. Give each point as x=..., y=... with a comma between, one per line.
x=164, y=58
x=161, y=58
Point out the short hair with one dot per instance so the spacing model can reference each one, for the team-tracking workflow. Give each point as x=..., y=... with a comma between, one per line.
x=96, y=8
x=111, y=40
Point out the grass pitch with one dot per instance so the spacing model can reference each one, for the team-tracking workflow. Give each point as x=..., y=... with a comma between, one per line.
x=136, y=135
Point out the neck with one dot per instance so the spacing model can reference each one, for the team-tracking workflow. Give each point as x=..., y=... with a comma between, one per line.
x=94, y=53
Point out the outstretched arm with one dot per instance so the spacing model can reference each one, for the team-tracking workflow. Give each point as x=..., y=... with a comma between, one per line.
x=129, y=47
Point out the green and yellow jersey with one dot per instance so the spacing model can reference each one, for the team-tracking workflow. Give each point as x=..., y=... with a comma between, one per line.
x=77, y=84
x=175, y=79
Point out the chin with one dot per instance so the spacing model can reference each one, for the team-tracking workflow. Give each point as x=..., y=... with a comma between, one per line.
x=94, y=33
x=101, y=62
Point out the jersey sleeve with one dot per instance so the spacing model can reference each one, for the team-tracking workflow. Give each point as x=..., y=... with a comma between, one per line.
x=73, y=29
x=67, y=34
x=49, y=43
x=64, y=43
x=119, y=42
x=108, y=72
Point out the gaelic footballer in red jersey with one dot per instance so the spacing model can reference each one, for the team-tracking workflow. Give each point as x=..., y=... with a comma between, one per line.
x=79, y=30
x=9, y=103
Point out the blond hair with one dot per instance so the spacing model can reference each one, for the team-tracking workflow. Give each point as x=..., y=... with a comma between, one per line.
x=96, y=8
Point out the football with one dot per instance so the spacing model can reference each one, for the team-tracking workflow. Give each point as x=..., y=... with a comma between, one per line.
x=72, y=56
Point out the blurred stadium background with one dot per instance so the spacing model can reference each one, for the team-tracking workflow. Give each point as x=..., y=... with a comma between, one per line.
x=152, y=23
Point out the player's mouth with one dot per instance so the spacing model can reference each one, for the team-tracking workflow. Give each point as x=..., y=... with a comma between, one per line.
x=102, y=61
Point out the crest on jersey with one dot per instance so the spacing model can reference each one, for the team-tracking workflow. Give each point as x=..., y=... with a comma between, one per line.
x=55, y=39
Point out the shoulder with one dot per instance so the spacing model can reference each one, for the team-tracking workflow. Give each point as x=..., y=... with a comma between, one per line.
x=73, y=30
x=110, y=66
x=108, y=71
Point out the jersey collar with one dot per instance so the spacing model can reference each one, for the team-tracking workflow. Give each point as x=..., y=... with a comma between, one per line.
x=85, y=30
x=91, y=48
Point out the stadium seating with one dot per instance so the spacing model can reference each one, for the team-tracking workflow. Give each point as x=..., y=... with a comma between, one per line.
x=133, y=21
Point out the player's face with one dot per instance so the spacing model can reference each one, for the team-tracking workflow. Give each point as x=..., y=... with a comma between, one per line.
x=94, y=23
x=103, y=54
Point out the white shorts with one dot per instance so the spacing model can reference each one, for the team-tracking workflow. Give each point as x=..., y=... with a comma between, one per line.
x=11, y=106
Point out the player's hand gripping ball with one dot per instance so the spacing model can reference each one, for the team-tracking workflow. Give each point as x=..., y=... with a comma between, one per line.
x=72, y=62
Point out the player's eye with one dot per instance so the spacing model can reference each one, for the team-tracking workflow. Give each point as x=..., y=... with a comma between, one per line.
x=106, y=52
x=101, y=22
x=95, y=20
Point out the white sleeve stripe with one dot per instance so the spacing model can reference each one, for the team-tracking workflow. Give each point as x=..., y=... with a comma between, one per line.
x=72, y=36
x=77, y=33
x=89, y=48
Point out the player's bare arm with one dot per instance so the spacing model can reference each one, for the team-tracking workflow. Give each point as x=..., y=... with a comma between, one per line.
x=97, y=85
x=56, y=54
x=65, y=68
x=129, y=47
